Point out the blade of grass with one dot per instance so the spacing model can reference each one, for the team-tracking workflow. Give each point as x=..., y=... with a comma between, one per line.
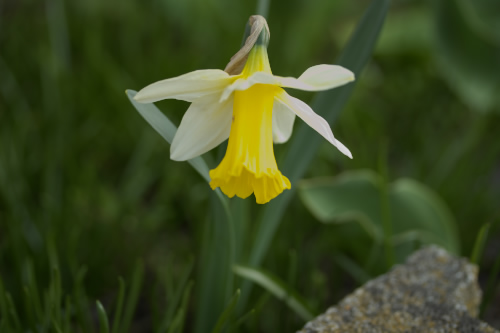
x=223, y=318
x=135, y=288
x=66, y=324
x=28, y=306
x=276, y=287
x=491, y=286
x=242, y=319
x=305, y=142
x=385, y=207
x=180, y=317
x=13, y=313
x=56, y=295
x=35, y=301
x=352, y=268
x=81, y=300
x=119, y=305
x=103, y=318
x=177, y=297
x=479, y=244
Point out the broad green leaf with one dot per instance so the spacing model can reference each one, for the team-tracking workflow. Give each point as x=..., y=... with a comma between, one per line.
x=276, y=287
x=409, y=31
x=469, y=61
x=417, y=213
x=305, y=142
x=352, y=196
x=166, y=129
x=417, y=208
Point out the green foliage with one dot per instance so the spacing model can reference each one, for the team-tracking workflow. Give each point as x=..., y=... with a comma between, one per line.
x=166, y=129
x=417, y=213
x=88, y=193
x=305, y=142
x=276, y=287
x=469, y=42
x=482, y=236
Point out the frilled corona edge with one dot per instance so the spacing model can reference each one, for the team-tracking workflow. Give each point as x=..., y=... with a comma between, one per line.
x=432, y=292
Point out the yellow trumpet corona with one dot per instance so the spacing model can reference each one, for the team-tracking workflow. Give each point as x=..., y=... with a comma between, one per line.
x=249, y=165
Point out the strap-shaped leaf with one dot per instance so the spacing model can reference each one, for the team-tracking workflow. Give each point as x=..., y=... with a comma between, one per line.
x=166, y=129
x=276, y=287
x=305, y=143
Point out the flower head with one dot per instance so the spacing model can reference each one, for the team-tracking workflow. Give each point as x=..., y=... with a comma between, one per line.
x=251, y=108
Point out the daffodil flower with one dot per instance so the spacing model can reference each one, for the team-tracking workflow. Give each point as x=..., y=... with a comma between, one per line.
x=251, y=109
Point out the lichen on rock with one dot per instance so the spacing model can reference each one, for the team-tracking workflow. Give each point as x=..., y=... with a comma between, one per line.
x=432, y=292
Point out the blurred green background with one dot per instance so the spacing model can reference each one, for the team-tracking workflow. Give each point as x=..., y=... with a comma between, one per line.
x=88, y=187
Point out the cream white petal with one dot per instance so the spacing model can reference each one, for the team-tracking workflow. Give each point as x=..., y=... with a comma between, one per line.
x=319, y=124
x=188, y=87
x=205, y=125
x=317, y=78
x=283, y=119
x=245, y=83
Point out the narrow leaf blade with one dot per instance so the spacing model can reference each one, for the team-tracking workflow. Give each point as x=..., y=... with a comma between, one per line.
x=305, y=143
x=276, y=287
x=166, y=129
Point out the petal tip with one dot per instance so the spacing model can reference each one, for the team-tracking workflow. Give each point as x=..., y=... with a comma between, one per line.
x=175, y=155
x=138, y=97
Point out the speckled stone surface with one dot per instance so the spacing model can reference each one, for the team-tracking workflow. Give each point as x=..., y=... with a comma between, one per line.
x=433, y=292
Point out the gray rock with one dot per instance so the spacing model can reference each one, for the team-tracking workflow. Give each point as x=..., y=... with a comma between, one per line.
x=433, y=292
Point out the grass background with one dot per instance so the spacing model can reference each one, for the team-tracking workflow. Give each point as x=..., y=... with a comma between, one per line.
x=87, y=186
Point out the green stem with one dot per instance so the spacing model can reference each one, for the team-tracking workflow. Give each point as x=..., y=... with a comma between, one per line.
x=232, y=244
x=263, y=7
x=385, y=207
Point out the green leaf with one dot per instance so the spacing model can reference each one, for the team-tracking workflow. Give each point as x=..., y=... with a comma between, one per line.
x=166, y=129
x=468, y=60
x=305, y=142
x=135, y=288
x=482, y=236
x=350, y=197
x=227, y=313
x=276, y=287
x=417, y=213
x=352, y=267
x=119, y=305
x=177, y=325
x=482, y=16
x=177, y=297
x=491, y=287
x=103, y=318
x=416, y=207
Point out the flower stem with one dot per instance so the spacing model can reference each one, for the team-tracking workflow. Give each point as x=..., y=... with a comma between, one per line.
x=385, y=206
x=263, y=7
